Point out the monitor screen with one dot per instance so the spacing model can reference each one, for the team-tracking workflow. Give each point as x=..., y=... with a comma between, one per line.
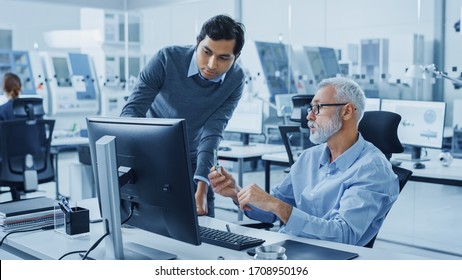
x=372, y=104
x=422, y=122
x=275, y=61
x=62, y=73
x=317, y=65
x=330, y=61
x=284, y=104
x=161, y=193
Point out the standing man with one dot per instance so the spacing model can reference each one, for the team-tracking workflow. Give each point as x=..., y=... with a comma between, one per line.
x=202, y=84
x=339, y=190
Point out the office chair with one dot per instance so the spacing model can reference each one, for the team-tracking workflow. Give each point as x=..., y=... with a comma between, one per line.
x=287, y=133
x=381, y=129
x=30, y=108
x=299, y=101
x=25, y=155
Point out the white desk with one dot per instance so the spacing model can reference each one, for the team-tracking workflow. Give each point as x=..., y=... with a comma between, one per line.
x=68, y=141
x=434, y=172
x=52, y=245
x=245, y=153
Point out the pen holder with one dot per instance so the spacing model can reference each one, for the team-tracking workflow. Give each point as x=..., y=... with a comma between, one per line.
x=72, y=224
x=77, y=221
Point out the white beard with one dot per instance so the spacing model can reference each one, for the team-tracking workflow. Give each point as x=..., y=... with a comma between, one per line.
x=322, y=134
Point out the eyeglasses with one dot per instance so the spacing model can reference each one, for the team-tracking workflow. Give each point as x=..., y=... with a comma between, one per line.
x=316, y=107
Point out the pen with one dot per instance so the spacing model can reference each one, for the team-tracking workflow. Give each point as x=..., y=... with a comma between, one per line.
x=62, y=208
x=216, y=162
x=65, y=204
x=227, y=228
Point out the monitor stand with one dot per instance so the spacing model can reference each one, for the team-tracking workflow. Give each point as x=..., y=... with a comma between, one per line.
x=108, y=176
x=416, y=153
x=245, y=141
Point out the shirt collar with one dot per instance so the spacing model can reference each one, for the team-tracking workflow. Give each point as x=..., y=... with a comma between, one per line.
x=345, y=160
x=193, y=70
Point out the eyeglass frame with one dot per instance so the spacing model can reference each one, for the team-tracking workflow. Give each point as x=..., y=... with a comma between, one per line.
x=310, y=107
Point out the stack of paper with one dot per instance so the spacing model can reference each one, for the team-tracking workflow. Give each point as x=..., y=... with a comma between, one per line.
x=27, y=214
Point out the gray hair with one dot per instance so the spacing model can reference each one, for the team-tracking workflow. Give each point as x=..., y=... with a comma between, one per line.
x=347, y=91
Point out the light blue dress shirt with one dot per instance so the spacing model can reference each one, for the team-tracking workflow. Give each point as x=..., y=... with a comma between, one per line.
x=344, y=201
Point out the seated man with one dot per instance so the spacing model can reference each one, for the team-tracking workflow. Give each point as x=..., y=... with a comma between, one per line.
x=339, y=190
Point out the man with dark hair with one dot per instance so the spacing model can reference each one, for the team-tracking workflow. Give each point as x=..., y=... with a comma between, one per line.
x=201, y=84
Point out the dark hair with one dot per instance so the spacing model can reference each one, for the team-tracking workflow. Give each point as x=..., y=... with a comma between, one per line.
x=12, y=84
x=223, y=27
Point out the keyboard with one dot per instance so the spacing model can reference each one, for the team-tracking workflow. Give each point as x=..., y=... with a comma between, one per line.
x=227, y=239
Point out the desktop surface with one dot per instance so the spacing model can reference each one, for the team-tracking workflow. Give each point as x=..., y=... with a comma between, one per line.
x=36, y=245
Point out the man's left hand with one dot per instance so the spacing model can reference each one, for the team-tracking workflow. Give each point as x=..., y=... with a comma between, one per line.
x=201, y=198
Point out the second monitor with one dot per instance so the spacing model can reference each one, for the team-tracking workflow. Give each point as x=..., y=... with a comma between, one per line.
x=422, y=123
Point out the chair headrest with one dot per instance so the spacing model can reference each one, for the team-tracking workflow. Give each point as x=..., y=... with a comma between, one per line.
x=381, y=129
x=28, y=107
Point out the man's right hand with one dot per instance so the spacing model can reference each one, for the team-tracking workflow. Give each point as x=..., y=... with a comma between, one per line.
x=224, y=183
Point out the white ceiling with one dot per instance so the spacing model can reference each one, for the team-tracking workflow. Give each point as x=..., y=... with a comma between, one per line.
x=111, y=4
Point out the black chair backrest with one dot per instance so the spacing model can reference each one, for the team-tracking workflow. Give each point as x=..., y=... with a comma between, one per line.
x=19, y=138
x=381, y=129
x=285, y=130
x=299, y=101
x=29, y=108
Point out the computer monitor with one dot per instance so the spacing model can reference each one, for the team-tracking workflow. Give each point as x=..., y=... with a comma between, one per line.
x=159, y=190
x=284, y=104
x=372, y=104
x=62, y=73
x=330, y=61
x=247, y=119
x=422, y=123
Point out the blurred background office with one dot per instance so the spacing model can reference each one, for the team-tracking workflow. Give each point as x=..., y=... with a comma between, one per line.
x=82, y=58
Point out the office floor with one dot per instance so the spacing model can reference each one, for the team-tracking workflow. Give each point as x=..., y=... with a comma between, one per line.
x=426, y=220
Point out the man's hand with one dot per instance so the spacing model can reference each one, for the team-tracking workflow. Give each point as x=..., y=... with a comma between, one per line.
x=259, y=198
x=224, y=183
x=201, y=198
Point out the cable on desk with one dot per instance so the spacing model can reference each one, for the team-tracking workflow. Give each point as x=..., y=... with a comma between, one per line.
x=95, y=245
x=132, y=206
x=70, y=253
x=24, y=230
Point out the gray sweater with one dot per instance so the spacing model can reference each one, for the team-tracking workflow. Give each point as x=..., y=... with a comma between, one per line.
x=163, y=90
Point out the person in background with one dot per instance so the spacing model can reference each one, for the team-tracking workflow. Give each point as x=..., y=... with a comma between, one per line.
x=339, y=190
x=11, y=90
x=201, y=84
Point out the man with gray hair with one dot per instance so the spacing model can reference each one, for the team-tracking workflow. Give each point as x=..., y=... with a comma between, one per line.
x=339, y=190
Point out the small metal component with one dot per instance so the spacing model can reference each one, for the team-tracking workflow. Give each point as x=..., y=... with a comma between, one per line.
x=216, y=163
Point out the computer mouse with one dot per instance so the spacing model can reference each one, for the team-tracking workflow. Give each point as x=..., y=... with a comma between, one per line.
x=225, y=149
x=419, y=165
